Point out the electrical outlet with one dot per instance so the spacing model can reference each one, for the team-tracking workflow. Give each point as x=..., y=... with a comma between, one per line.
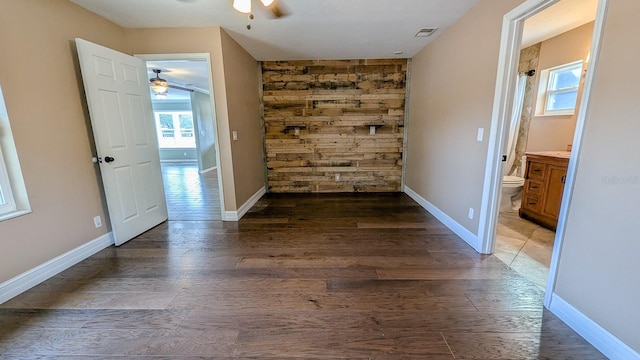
x=338, y=177
x=471, y=213
x=480, y=134
x=234, y=134
x=97, y=221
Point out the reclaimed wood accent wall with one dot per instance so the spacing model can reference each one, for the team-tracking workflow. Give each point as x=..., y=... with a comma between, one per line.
x=318, y=117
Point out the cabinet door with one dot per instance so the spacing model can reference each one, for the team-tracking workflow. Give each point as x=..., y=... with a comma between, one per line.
x=555, y=186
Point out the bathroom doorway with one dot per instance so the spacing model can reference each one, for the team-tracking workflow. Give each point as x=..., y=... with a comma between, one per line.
x=523, y=240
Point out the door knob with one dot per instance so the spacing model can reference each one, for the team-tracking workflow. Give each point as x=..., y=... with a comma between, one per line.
x=108, y=159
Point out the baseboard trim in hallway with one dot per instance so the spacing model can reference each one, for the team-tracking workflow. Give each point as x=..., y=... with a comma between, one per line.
x=237, y=215
x=25, y=281
x=445, y=219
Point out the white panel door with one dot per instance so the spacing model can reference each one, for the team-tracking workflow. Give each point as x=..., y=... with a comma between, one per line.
x=117, y=92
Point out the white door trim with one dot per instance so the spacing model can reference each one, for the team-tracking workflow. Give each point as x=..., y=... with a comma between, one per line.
x=198, y=57
x=503, y=100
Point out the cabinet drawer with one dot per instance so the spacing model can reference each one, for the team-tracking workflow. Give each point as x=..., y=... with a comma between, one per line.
x=533, y=187
x=531, y=203
x=535, y=170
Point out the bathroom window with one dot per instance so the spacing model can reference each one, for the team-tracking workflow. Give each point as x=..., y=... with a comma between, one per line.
x=13, y=194
x=558, y=90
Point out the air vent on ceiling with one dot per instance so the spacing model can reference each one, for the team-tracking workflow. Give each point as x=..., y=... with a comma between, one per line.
x=425, y=32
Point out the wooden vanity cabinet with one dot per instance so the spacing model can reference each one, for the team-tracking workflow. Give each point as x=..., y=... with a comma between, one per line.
x=545, y=176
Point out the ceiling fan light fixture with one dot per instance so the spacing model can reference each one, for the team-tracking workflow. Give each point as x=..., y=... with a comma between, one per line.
x=158, y=85
x=243, y=6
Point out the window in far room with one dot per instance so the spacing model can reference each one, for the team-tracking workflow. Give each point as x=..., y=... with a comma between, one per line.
x=558, y=90
x=175, y=129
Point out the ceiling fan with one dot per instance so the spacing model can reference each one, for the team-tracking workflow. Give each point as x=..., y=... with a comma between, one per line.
x=274, y=7
x=161, y=86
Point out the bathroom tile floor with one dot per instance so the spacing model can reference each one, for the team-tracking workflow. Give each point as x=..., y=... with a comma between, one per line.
x=525, y=247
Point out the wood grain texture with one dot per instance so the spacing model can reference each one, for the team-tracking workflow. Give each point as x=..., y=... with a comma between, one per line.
x=317, y=117
x=294, y=289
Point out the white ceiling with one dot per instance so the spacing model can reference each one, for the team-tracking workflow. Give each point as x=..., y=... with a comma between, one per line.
x=319, y=29
x=315, y=29
x=557, y=19
x=330, y=29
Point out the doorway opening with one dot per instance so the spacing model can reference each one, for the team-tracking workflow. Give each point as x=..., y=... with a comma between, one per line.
x=187, y=137
x=540, y=134
x=511, y=46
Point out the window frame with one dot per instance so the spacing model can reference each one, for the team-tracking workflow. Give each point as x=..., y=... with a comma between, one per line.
x=6, y=193
x=16, y=200
x=548, y=90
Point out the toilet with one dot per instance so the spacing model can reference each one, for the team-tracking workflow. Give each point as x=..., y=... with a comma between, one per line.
x=511, y=191
x=512, y=188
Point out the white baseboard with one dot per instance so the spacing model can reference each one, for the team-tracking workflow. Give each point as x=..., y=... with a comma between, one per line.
x=25, y=281
x=596, y=335
x=237, y=215
x=453, y=225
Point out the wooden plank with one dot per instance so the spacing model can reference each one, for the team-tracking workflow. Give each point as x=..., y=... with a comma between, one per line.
x=336, y=101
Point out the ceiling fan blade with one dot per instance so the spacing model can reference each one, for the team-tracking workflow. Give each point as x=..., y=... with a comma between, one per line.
x=173, y=86
x=278, y=10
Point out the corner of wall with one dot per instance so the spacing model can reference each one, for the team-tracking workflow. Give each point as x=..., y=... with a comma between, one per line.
x=466, y=235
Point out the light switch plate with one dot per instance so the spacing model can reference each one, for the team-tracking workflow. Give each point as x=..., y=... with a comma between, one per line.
x=480, y=134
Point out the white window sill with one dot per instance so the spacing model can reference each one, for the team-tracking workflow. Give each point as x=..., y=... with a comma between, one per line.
x=555, y=115
x=14, y=214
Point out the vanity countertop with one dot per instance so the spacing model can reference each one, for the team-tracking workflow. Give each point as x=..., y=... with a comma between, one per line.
x=557, y=154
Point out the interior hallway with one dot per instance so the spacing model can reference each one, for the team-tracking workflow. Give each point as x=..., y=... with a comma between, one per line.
x=358, y=276
x=191, y=195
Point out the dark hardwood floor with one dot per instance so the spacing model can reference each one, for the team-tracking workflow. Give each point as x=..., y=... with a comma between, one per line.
x=331, y=276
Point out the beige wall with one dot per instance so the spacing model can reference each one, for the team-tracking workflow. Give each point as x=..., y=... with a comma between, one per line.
x=52, y=128
x=42, y=85
x=205, y=122
x=556, y=132
x=452, y=87
x=196, y=40
x=599, y=267
x=242, y=83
